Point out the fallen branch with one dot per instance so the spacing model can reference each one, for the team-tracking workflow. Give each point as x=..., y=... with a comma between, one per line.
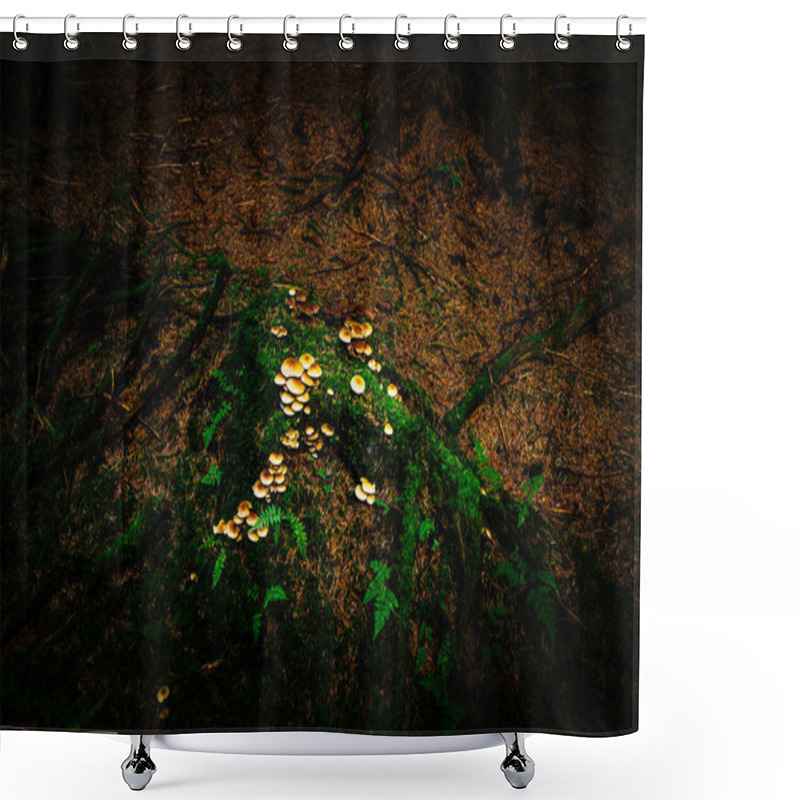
x=538, y=347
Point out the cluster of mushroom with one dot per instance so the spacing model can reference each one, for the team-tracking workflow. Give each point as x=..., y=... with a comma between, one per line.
x=355, y=335
x=273, y=479
x=278, y=331
x=245, y=518
x=299, y=304
x=365, y=491
x=296, y=378
x=311, y=438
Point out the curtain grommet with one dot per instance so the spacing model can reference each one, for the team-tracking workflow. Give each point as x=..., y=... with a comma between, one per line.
x=290, y=43
x=401, y=42
x=20, y=42
x=70, y=42
x=623, y=44
x=451, y=42
x=561, y=43
x=234, y=43
x=182, y=42
x=507, y=42
x=346, y=42
x=128, y=42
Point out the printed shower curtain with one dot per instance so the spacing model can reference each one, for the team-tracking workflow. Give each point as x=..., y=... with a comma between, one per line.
x=320, y=385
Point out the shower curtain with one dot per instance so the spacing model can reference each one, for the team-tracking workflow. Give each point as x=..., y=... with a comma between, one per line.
x=320, y=385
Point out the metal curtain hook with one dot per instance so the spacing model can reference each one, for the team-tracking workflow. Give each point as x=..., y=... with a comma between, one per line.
x=561, y=42
x=234, y=42
x=623, y=44
x=182, y=42
x=70, y=42
x=507, y=42
x=346, y=42
x=289, y=42
x=401, y=42
x=20, y=42
x=451, y=42
x=129, y=42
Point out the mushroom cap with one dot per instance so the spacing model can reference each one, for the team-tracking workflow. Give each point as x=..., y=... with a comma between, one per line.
x=262, y=532
x=244, y=508
x=359, y=346
x=391, y=390
x=374, y=365
x=267, y=480
x=220, y=527
x=301, y=295
x=357, y=330
x=292, y=291
x=367, y=351
x=306, y=360
x=288, y=411
x=360, y=494
x=295, y=386
x=306, y=410
x=276, y=459
x=280, y=380
x=367, y=486
x=314, y=371
x=280, y=480
x=231, y=530
x=286, y=398
x=345, y=335
x=357, y=384
x=281, y=489
x=296, y=407
x=252, y=518
x=388, y=429
x=370, y=499
x=307, y=380
x=237, y=520
x=163, y=694
x=330, y=392
x=259, y=490
x=291, y=368
x=326, y=428
x=367, y=329
x=310, y=431
x=303, y=398
x=252, y=535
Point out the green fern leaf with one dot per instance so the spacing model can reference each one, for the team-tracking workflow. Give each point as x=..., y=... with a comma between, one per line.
x=218, y=567
x=274, y=593
x=256, y=625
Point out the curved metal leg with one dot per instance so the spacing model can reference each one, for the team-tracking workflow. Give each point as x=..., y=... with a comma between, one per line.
x=138, y=768
x=518, y=766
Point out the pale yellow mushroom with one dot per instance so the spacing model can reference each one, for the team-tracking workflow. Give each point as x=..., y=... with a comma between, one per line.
x=326, y=429
x=292, y=368
x=306, y=360
x=259, y=490
x=357, y=384
x=391, y=390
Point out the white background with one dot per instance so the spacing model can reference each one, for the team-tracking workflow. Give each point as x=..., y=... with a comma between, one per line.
x=720, y=702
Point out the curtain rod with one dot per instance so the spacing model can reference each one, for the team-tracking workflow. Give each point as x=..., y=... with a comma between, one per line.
x=297, y=25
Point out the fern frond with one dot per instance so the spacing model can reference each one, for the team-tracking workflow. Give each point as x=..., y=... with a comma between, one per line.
x=218, y=567
x=273, y=593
